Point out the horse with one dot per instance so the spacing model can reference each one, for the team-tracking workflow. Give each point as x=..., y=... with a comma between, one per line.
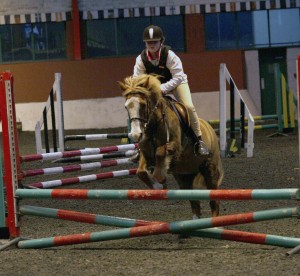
x=165, y=145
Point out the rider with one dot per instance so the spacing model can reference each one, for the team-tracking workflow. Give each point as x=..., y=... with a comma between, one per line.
x=157, y=58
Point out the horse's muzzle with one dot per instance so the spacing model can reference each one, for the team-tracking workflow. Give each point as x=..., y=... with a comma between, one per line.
x=136, y=136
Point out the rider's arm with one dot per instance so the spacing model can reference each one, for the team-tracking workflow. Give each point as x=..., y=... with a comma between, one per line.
x=174, y=64
x=139, y=67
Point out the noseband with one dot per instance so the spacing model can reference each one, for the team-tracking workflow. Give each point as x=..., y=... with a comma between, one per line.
x=150, y=113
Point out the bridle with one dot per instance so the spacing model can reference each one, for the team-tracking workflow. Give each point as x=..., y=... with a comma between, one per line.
x=144, y=120
x=149, y=114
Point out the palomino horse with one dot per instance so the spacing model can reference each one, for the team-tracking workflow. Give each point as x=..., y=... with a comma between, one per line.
x=164, y=145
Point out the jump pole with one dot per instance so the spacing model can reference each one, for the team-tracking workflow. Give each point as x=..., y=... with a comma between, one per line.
x=251, y=194
x=88, y=151
x=95, y=157
x=160, y=228
x=80, y=179
x=255, y=118
x=78, y=167
x=221, y=234
x=93, y=137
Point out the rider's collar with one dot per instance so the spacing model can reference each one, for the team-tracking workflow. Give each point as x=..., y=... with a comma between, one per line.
x=150, y=58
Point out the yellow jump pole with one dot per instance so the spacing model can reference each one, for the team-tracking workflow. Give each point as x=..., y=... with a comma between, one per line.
x=291, y=109
x=284, y=102
x=277, y=81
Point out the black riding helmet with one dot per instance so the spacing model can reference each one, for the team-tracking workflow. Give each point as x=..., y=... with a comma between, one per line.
x=153, y=33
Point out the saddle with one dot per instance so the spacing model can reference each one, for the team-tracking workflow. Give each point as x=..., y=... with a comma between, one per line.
x=181, y=113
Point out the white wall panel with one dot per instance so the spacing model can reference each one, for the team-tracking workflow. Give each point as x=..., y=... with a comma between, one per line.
x=34, y=6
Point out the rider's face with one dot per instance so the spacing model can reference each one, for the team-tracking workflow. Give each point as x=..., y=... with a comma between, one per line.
x=153, y=46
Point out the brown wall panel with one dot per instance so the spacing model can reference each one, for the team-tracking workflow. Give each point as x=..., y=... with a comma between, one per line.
x=193, y=34
x=80, y=79
x=203, y=69
x=98, y=77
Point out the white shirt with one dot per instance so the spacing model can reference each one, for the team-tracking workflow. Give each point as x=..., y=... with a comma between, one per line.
x=174, y=64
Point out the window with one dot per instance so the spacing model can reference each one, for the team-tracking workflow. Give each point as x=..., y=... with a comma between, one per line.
x=38, y=41
x=260, y=29
x=244, y=30
x=111, y=37
x=101, y=38
x=220, y=31
x=130, y=34
x=284, y=27
x=257, y=29
x=5, y=43
x=124, y=36
x=173, y=28
x=56, y=40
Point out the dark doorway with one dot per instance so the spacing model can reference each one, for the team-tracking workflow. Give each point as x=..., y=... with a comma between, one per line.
x=267, y=59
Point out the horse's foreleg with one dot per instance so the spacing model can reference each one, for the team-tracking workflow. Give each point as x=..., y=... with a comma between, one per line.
x=163, y=157
x=162, y=164
x=159, y=172
x=144, y=175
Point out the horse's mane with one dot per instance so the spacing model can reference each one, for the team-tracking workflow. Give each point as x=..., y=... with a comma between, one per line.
x=145, y=84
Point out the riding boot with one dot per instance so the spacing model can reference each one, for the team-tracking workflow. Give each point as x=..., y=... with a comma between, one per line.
x=200, y=148
x=135, y=157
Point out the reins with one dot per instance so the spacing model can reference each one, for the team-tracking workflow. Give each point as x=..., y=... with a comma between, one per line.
x=164, y=118
x=163, y=112
x=149, y=116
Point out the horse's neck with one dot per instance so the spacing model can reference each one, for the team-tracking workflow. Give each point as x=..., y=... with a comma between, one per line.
x=158, y=110
x=157, y=117
x=163, y=119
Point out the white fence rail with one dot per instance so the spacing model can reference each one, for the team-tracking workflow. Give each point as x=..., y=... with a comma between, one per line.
x=225, y=77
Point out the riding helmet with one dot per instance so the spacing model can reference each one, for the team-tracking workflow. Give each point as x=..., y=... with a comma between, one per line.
x=153, y=33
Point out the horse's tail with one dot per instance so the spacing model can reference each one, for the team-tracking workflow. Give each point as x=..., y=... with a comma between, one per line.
x=199, y=182
x=212, y=141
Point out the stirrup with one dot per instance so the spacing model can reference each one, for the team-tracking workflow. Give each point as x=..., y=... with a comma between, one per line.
x=200, y=148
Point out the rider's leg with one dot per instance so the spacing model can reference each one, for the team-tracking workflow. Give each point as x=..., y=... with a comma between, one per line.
x=182, y=94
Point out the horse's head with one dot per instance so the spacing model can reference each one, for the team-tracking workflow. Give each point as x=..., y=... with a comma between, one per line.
x=140, y=94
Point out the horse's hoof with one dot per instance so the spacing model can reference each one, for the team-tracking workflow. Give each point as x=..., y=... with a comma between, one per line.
x=157, y=186
x=196, y=217
x=161, y=180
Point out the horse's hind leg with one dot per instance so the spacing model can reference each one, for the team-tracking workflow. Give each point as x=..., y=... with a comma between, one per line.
x=185, y=182
x=211, y=176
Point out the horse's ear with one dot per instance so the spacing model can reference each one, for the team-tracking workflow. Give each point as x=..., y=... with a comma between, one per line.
x=122, y=85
